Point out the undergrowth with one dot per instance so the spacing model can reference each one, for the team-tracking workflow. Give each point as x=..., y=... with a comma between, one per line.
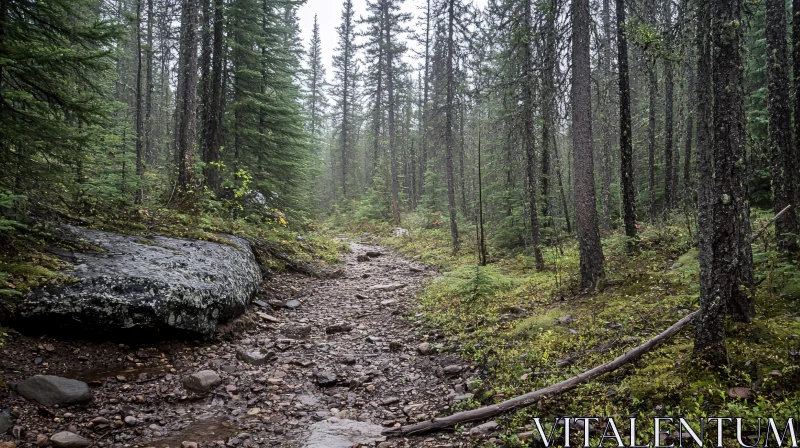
x=531, y=329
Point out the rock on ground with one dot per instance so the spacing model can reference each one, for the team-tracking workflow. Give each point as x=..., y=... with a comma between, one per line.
x=336, y=433
x=50, y=390
x=202, y=381
x=153, y=283
x=65, y=439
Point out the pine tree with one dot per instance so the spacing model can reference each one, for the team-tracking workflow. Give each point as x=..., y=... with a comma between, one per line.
x=187, y=102
x=625, y=132
x=315, y=81
x=344, y=64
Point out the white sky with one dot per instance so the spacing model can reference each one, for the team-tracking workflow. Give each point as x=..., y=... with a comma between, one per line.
x=329, y=15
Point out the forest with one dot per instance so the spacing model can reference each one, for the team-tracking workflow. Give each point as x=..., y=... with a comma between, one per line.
x=592, y=202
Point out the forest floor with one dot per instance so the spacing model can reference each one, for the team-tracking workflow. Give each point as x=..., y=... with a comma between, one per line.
x=348, y=362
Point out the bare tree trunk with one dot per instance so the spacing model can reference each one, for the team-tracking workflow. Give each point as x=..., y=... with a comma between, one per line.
x=780, y=131
x=627, y=179
x=530, y=149
x=548, y=104
x=605, y=169
x=670, y=178
x=139, y=196
x=448, y=129
x=687, y=151
x=390, y=93
x=591, y=251
x=651, y=143
x=187, y=102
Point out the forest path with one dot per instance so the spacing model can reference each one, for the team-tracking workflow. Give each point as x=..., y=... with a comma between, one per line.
x=342, y=363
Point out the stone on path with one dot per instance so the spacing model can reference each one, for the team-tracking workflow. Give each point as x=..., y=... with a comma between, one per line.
x=425, y=348
x=326, y=378
x=256, y=357
x=483, y=429
x=202, y=381
x=339, y=328
x=388, y=287
x=452, y=369
x=65, y=439
x=6, y=421
x=292, y=304
x=336, y=433
x=50, y=390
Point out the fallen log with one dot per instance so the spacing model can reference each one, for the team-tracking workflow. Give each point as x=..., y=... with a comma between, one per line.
x=530, y=398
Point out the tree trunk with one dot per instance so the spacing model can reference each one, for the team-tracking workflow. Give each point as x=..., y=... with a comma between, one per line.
x=530, y=150
x=605, y=169
x=627, y=178
x=726, y=273
x=548, y=105
x=651, y=142
x=591, y=252
x=780, y=131
x=448, y=125
x=214, y=108
x=670, y=169
x=390, y=93
x=687, y=151
x=148, y=99
x=187, y=102
x=139, y=196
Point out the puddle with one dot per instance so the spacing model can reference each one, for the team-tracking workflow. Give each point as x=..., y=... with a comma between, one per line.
x=207, y=430
x=101, y=374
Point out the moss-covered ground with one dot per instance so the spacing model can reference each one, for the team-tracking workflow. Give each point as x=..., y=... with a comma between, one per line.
x=531, y=329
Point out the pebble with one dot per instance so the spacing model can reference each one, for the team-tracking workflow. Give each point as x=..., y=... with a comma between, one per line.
x=452, y=369
x=483, y=429
x=425, y=348
x=42, y=440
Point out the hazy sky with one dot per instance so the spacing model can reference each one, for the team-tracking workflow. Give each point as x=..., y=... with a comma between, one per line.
x=329, y=16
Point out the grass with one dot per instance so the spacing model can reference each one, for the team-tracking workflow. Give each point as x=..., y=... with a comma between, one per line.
x=514, y=327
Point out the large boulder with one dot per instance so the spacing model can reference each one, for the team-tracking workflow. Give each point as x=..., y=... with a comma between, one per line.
x=153, y=283
x=50, y=390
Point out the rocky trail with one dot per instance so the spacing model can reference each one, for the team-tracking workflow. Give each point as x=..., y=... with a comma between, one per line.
x=320, y=363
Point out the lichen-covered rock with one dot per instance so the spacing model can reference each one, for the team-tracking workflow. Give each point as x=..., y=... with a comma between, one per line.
x=154, y=284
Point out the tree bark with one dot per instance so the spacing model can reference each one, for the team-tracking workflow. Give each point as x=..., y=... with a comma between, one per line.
x=448, y=125
x=670, y=169
x=530, y=150
x=651, y=142
x=687, y=151
x=605, y=169
x=187, y=103
x=591, y=251
x=780, y=131
x=390, y=93
x=627, y=179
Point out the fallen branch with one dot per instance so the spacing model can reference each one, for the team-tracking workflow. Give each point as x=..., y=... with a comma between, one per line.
x=766, y=226
x=532, y=397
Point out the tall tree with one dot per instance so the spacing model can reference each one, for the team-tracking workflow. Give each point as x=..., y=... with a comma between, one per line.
x=187, y=100
x=670, y=170
x=527, y=42
x=316, y=80
x=213, y=108
x=393, y=21
x=605, y=104
x=139, y=196
x=625, y=137
x=780, y=133
x=725, y=272
x=591, y=251
x=344, y=65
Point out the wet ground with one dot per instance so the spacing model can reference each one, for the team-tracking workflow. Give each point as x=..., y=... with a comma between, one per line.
x=346, y=365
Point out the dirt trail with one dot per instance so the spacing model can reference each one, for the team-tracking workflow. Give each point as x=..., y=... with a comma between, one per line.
x=343, y=362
